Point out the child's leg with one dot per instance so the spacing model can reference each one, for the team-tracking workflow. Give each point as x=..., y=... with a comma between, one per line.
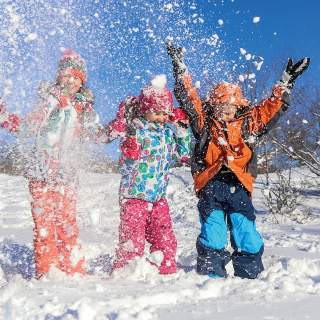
x=69, y=259
x=211, y=243
x=248, y=246
x=160, y=234
x=245, y=239
x=43, y=211
x=212, y=257
x=133, y=217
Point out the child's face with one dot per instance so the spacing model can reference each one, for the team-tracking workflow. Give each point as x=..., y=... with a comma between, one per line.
x=70, y=83
x=225, y=112
x=160, y=117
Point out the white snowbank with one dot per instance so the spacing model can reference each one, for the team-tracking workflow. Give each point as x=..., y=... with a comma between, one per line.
x=291, y=277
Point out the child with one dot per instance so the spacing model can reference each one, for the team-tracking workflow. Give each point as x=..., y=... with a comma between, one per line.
x=224, y=127
x=153, y=141
x=65, y=118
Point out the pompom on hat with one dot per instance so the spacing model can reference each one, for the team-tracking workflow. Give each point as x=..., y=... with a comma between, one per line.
x=72, y=63
x=156, y=97
x=226, y=93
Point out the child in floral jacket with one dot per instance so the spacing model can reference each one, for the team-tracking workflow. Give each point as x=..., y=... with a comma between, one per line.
x=154, y=139
x=64, y=119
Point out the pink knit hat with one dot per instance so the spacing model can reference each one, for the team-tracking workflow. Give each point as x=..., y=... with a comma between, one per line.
x=156, y=97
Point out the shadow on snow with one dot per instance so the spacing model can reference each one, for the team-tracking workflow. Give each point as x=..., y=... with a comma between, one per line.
x=16, y=259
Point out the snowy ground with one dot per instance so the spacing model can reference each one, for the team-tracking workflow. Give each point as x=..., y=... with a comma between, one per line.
x=289, y=288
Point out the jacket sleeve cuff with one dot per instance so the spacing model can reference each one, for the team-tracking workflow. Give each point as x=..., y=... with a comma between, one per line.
x=282, y=92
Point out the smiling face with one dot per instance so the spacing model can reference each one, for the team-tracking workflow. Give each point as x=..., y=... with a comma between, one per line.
x=70, y=83
x=225, y=112
x=160, y=117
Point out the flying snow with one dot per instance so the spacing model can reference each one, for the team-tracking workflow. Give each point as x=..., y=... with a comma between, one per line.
x=256, y=19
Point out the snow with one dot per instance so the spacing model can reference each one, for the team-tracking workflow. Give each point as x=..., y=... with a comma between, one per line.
x=213, y=40
x=122, y=38
x=222, y=141
x=256, y=19
x=243, y=51
x=248, y=56
x=257, y=61
x=289, y=288
x=168, y=7
x=258, y=65
x=241, y=78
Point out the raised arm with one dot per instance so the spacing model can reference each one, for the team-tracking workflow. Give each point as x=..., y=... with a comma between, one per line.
x=264, y=116
x=186, y=94
x=121, y=123
x=29, y=125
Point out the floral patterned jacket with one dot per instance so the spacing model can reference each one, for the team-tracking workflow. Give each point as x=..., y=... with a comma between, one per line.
x=147, y=157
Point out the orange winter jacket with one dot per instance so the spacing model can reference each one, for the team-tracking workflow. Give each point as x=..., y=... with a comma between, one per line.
x=226, y=144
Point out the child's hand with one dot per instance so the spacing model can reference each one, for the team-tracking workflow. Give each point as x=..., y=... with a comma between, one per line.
x=293, y=71
x=176, y=54
x=179, y=117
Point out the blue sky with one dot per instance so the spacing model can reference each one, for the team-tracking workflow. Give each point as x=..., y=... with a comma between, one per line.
x=123, y=43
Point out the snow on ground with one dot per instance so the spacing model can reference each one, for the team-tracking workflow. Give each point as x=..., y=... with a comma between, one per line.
x=289, y=288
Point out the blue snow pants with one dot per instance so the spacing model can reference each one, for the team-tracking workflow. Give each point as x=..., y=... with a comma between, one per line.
x=225, y=204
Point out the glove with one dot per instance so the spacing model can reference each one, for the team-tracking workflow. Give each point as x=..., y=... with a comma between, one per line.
x=293, y=71
x=176, y=55
x=179, y=117
x=131, y=112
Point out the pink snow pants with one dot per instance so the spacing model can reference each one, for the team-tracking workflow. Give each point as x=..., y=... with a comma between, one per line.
x=140, y=221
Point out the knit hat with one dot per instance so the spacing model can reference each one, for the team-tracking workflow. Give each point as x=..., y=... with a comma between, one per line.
x=156, y=97
x=226, y=93
x=72, y=63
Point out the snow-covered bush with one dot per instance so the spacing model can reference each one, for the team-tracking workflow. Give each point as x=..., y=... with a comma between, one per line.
x=282, y=197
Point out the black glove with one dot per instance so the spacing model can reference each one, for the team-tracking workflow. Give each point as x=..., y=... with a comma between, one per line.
x=132, y=109
x=176, y=55
x=293, y=71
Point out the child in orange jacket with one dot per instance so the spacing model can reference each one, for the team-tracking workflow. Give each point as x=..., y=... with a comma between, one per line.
x=223, y=166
